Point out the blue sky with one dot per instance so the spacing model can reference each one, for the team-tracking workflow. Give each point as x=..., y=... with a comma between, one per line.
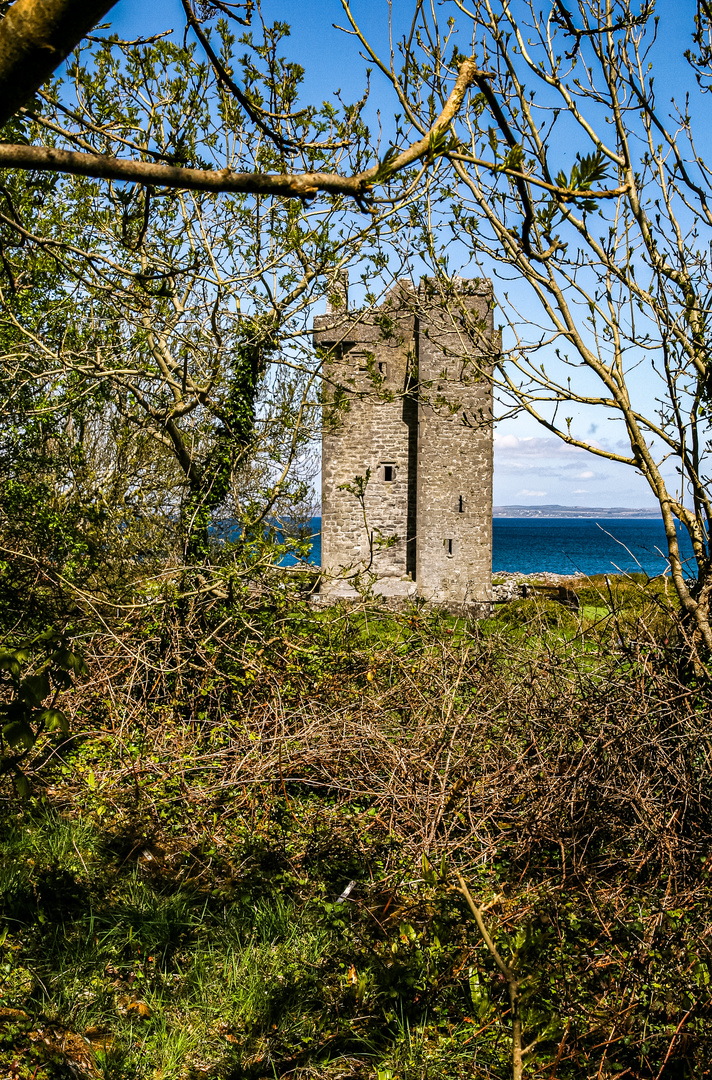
x=530, y=466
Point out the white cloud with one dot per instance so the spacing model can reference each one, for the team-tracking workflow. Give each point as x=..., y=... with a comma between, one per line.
x=524, y=463
x=505, y=442
x=511, y=448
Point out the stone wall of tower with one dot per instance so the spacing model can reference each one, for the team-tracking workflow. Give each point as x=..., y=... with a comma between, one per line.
x=454, y=541
x=369, y=366
x=428, y=449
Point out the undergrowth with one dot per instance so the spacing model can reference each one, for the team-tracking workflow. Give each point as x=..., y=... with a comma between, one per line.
x=240, y=862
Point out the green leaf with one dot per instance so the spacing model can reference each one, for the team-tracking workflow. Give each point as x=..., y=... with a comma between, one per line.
x=22, y=785
x=34, y=688
x=590, y=170
x=385, y=167
x=54, y=720
x=428, y=873
x=587, y=170
x=67, y=660
x=437, y=143
x=79, y=666
x=19, y=732
x=513, y=159
x=9, y=661
x=62, y=678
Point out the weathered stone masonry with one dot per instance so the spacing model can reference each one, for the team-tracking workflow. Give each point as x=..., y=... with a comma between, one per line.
x=407, y=397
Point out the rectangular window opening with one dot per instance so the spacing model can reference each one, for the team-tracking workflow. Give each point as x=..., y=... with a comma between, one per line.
x=388, y=472
x=461, y=506
x=448, y=547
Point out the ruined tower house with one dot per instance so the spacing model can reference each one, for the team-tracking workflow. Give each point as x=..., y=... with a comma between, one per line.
x=408, y=410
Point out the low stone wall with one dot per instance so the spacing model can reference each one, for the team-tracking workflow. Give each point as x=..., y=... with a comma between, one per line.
x=518, y=586
x=401, y=593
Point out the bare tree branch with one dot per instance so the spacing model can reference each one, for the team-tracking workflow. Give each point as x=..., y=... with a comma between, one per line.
x=299, y=186
x=226, y=80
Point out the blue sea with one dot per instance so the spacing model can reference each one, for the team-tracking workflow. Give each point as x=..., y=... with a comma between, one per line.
x=567, y=545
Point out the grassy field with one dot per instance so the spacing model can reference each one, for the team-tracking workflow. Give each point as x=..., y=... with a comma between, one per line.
x=242, y=862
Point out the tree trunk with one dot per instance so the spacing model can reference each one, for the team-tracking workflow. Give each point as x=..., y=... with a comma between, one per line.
x=35, y=37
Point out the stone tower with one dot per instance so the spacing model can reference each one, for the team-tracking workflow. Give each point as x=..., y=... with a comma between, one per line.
x=407, y=446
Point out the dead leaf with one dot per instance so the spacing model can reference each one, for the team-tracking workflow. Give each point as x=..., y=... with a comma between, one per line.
x=12, y=1014
x=139, y=1007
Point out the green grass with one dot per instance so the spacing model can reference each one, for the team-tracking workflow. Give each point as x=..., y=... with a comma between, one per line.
x=594, y=613
x=180, y=978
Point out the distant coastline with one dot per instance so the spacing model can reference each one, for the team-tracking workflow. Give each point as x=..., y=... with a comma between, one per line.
x=584, y=540
x=553, y=510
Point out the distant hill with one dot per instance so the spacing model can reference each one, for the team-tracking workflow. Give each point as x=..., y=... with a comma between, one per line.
x=553, y=510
